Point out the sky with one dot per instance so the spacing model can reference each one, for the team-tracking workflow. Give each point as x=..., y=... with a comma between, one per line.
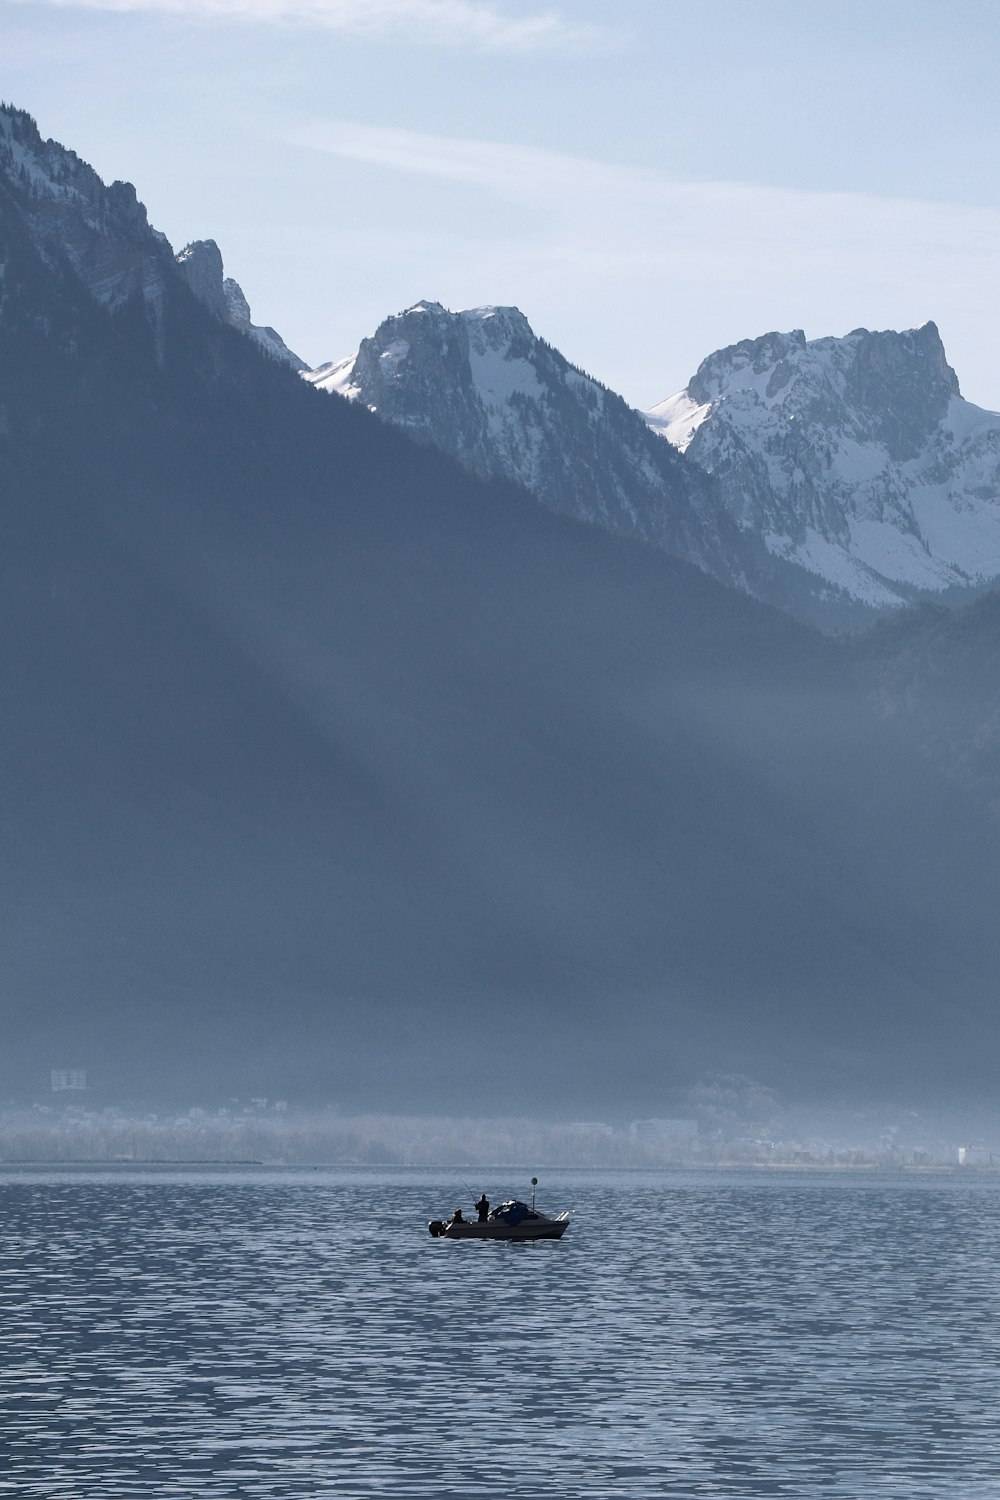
x=648, y=181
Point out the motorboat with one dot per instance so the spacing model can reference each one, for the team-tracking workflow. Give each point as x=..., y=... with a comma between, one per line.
x=512, y=1220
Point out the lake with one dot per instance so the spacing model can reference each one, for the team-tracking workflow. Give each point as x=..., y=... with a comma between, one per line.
x=298, y=1335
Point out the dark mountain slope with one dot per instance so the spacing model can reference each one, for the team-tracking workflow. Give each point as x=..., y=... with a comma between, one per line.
x=328, y=771
x=934, y=673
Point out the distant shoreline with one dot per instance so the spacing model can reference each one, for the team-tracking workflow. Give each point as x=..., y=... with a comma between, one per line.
x=841, y=1168
x=132, y=1161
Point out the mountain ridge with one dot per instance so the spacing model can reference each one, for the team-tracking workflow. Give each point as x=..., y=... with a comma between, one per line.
x=856, y=458
x=832, y=477
x=200, y=262
x=331, y=771
x=484, y=388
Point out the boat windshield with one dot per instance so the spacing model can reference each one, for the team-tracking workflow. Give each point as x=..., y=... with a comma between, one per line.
x=513, y=1211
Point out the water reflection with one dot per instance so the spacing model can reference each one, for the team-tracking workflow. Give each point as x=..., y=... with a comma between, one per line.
x=300, y=1335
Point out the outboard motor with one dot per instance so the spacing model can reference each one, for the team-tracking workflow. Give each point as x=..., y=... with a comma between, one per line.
x=436, y=1227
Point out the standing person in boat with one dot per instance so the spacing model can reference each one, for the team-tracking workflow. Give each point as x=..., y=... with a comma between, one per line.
x=483, y=1209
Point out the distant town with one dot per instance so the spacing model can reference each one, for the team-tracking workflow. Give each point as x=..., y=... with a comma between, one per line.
x=732, y=1122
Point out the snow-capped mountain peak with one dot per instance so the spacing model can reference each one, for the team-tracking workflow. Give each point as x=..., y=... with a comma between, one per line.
x=856, y=457
x=481, y=385
x=492, y=344
x=893, y=387
x=477, y=361
x=820, y=474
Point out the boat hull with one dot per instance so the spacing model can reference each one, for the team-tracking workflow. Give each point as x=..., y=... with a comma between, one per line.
x=495, y=1229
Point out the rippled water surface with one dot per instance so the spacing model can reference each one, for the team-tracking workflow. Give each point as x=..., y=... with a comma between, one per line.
x=276, y=1334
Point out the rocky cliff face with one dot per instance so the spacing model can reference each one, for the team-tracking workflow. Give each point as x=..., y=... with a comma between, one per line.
x=100, y=232
x=832, y=478
x=201, y=266
x=102, y=236
x=481, y=386
x=853, y=458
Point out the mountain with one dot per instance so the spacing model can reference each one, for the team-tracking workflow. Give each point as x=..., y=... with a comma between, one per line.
x=933, y=672
x=855, y=458
x=99, y=235
x=833, y=479
x=103, y=234
x=201, y=265
x=331, y=772
x=483, y=388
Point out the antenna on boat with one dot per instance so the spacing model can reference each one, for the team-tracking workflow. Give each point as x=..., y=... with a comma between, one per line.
x=534, y=1184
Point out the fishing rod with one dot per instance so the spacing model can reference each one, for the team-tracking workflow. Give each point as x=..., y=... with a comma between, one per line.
x=475, y=1201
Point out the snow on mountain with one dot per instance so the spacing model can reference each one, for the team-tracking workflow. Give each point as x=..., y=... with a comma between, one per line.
x=854, y=458
x=824, y=476
x=480, y=385
x=829, y=478
x=104, y=235
x=101, y=231
x=201, y=266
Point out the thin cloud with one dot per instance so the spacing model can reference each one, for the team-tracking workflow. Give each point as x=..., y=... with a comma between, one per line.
x=633, y=209
x=473, y=23
x=521, y=171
